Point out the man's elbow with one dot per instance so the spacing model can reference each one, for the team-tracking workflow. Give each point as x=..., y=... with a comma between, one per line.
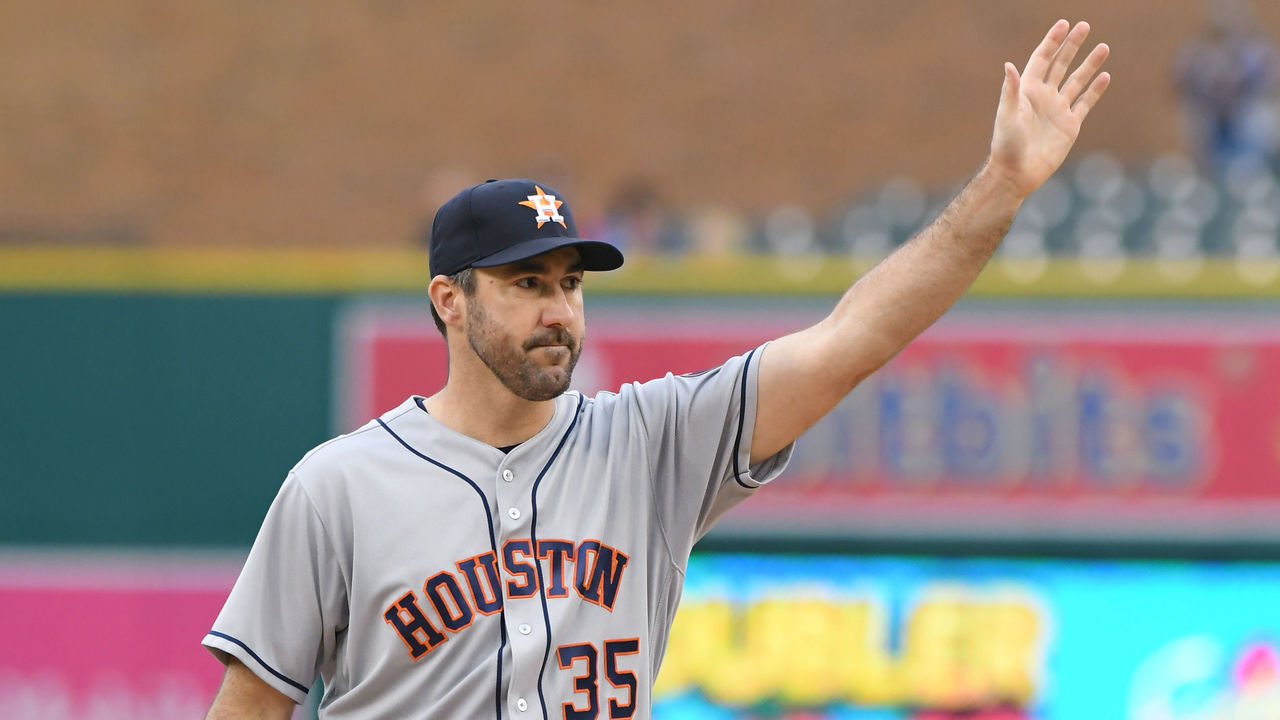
x=245, y=696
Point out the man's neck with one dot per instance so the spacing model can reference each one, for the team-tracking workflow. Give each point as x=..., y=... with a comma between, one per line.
x=492, y=415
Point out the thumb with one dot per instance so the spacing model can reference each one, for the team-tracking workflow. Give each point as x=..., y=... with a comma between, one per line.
x=1009, y=91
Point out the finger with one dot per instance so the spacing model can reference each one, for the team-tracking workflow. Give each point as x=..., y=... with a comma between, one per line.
x=1009, y=90
x=1038, y=64
x=1079, y=79
x=1090, y=96
x=1067, y=53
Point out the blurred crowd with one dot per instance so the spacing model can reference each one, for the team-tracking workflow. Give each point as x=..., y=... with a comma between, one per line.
x=1226, y=78
x=1096, y=208
x=1219, y=198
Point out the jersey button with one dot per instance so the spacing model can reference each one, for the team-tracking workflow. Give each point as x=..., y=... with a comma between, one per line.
x=522, y=704
x=508, y=475
x=525, y=629
x=513, y=513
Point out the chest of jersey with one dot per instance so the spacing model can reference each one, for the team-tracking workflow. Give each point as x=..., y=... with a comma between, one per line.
x=534, y=567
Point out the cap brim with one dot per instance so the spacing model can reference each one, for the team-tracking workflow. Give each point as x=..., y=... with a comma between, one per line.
x=596, y=255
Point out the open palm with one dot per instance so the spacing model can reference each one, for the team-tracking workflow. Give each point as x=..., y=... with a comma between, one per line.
x=1039, y=115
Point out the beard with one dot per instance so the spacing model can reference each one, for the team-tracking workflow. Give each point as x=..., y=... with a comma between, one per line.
x=512, y=363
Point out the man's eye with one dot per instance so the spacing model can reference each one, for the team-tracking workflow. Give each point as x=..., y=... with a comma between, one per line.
x=527, y=283
x=572, y=283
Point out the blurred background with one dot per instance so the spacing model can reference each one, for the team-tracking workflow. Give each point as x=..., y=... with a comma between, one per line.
x=1061, y=502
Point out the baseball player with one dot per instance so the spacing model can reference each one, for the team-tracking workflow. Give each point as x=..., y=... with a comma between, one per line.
x=507, y=548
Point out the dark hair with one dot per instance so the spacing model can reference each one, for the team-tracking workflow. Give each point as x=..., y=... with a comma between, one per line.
x=465, y=279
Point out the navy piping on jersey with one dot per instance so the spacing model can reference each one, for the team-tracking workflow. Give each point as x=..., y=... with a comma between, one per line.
x=261, y=662
x=493, y=543
x=533, y=538
x=742, y=417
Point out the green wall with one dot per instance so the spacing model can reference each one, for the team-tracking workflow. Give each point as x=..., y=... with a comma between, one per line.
x=155, y=419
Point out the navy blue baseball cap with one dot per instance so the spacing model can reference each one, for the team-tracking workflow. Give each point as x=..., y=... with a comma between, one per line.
x=502, y=221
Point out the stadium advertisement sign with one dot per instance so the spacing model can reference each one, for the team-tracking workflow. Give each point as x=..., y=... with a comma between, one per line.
x=1134, y=426
x=887, y=638
x=778, y=637
x=109, y=636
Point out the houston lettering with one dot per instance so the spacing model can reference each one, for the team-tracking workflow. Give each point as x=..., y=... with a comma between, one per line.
x=451, y=599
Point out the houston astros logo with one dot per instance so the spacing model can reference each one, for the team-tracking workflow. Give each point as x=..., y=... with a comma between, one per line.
x=548, y=207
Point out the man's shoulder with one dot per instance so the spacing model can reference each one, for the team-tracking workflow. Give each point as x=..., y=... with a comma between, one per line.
x=606, y=401
x=671, y=383
x=355, y=447
x=626, y=405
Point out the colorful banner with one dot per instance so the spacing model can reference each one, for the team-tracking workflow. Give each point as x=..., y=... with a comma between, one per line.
x=883, y=638
x=756, y=637
x=1148, y=426
x=109, y=637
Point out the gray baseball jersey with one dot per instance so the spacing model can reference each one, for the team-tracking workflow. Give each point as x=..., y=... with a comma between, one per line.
x=421, y=573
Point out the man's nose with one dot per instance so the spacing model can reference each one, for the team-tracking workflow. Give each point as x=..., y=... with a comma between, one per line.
x=558, y=310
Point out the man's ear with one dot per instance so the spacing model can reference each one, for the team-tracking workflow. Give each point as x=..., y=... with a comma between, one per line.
x=448, y=300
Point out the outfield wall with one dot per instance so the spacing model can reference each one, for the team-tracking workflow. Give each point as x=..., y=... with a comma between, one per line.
x=156, y=420
x=170, y=419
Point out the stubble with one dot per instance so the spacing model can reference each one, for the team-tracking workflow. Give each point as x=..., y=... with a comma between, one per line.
x=510, y=361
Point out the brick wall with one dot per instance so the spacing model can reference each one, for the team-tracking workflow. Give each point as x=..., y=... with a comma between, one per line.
x=332, y=123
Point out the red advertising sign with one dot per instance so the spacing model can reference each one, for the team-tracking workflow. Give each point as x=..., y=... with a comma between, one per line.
x=113, y=637
x=1044, y=425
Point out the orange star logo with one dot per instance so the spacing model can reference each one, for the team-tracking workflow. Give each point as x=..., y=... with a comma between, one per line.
x=548, y=207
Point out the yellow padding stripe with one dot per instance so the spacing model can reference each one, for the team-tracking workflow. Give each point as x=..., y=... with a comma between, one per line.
x=234, y=270
x=210, y=270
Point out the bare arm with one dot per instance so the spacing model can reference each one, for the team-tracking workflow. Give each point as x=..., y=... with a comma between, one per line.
x=803, y=375
x=244, y=696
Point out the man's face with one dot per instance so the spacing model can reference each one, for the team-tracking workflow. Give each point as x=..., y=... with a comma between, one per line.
x=525, y=322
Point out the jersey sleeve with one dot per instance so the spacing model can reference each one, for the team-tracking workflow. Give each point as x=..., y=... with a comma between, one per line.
x=289, y=604
x=699, y=429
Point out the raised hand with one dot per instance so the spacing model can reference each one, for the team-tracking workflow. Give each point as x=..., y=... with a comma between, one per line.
x=1039, y=115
